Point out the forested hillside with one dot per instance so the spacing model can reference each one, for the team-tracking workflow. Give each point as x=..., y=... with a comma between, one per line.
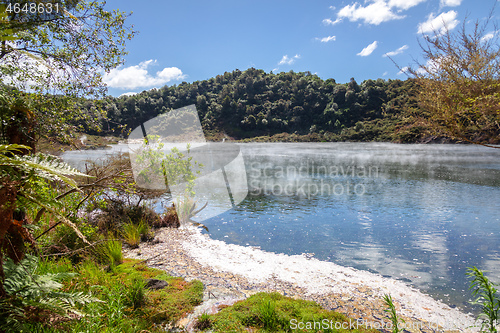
x=291, y=106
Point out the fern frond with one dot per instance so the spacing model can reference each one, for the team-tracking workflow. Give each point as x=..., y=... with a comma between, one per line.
x=11, y=148
x=52, y=304
x=26, y=288
x=11, y=316
x=58, y=215
x=17, y=276
x=75, y=298
x=45, y=166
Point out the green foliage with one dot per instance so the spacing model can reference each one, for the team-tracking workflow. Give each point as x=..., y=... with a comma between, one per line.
x=107, y=252
x=203, y=321
x=113, y=251
x=65, y=51
x=41, y=165
x=29, y=170
x=252, y=103
x=145, y=231
x=174, y=167
x=117, y=197
x=395, y=320
x=136, y=294
x=134, y=233
x=486, y=295
x=268, y=315
x=63, y=240
x=272, y=312
x=131, y=234
x=124, y=304
x=29, y=292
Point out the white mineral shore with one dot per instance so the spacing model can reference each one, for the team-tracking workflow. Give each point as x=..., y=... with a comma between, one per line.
x=309, y=275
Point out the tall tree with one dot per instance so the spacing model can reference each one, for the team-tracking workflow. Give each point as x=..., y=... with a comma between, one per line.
x=51, y=53
x=57, y=47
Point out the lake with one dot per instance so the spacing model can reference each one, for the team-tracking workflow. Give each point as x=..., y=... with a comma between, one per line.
x=417, y=213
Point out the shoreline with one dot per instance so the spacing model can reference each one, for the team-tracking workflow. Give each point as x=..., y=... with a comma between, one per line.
x=245, y=271
x=92, y=142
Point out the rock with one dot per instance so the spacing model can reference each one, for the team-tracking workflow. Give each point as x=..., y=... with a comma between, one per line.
x=155, y=284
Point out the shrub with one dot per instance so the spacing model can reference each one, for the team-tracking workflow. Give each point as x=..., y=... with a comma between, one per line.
x=272, y=312
x=64, y=239
x=168, y=220
x=113, y=213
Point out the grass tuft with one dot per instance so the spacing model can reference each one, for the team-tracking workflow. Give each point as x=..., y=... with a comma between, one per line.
x=272, y=312
x=131, y=234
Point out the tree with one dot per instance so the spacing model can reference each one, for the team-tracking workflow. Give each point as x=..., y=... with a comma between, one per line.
x=47, y=61
x=459, y=84
x=63, y=53
x=20, y=176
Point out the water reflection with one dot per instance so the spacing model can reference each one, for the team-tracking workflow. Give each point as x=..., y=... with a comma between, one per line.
x=425, y=214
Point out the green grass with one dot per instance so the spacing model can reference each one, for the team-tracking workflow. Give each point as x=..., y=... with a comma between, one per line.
x=272, y=312
x=134, y=233
x=108, y=252
x=131, y=234
x=126, y=305
x=486, y=295
x=391, y=310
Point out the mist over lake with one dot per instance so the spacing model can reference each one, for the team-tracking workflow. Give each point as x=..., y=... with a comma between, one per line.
x=418, y=213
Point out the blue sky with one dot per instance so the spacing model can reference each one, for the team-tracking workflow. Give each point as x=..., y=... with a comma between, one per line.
x=195, y=40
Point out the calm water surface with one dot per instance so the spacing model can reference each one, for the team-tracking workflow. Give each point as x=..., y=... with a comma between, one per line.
x=418, y=213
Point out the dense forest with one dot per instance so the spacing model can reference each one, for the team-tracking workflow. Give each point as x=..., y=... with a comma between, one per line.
x=288, y=106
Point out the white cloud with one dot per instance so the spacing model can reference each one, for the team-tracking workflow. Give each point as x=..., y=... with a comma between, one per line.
x=375, y=13
x=489, y=35
x=403, y=70
x=368, y=50
x=287, y=60
x=31, y=73
x=330, y=22
x=137, y=76
x=450, y=3
x=131, y=93
x=326, y=39
x=432, y=66
x=396, y=52
x=439, y=24
x=404, y=4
